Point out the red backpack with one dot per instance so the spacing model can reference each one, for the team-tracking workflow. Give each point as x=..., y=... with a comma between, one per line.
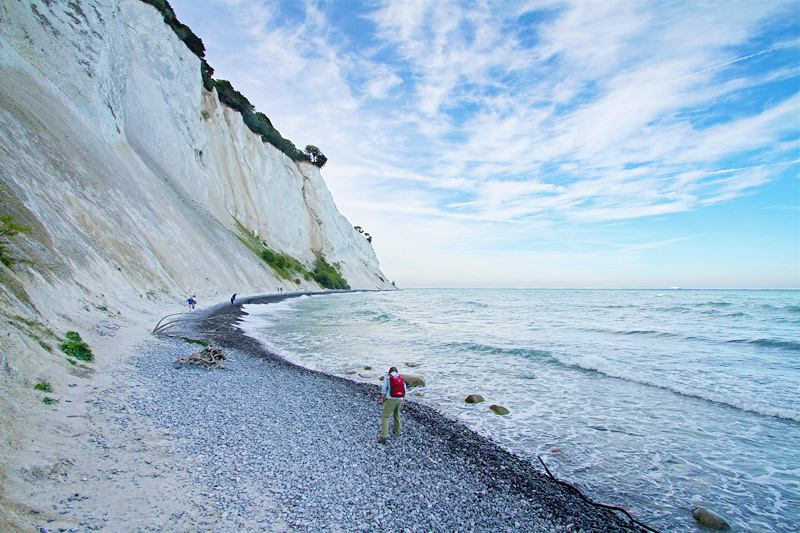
x=397, y=387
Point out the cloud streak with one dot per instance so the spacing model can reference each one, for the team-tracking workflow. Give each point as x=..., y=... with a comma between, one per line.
x=545, y=116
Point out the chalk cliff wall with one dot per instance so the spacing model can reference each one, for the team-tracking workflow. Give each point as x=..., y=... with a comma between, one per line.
x=134, y=177
x=138, y=187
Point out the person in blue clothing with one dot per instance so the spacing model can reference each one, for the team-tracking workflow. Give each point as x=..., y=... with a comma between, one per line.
x=233, y=298
x=192, y=302
x=393, y=397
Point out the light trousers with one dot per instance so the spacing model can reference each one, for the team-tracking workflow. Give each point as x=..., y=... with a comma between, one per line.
x=391, y=408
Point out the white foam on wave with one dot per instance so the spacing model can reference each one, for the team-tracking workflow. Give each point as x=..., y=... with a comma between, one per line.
x=633, y=412
x=596, y=363
x=258, y=315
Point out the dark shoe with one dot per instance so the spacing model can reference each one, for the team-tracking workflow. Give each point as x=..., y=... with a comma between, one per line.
x=382, y=440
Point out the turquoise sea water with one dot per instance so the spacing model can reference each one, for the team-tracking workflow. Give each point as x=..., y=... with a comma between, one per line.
x=655, y=401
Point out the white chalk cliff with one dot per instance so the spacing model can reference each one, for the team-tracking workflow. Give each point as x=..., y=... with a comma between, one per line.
x=136, y=181
x=140, y=190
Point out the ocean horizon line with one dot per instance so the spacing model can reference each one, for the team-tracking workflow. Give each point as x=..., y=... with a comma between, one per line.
x=611, y=288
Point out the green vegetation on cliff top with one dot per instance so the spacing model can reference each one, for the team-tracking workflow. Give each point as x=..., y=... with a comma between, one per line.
x=256, y=121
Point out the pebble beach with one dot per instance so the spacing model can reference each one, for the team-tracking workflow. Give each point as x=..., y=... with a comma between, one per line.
x=264, y=429
x=265, y=445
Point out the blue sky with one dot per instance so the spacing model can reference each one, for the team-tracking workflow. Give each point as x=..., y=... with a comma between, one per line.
x=539, y=143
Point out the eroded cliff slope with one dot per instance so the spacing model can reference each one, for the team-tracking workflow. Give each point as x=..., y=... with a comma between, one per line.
x=136, y=176
x=139, y=188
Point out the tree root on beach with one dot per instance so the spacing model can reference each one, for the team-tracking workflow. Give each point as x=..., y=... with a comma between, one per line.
x=579, y=493
x=208, y=357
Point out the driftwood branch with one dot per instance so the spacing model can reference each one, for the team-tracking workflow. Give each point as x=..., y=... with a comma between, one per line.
x=579, y=493
x=186, y=325
x=164, y=324
x=208, y=357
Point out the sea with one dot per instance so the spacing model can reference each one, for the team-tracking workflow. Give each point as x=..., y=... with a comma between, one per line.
x=653, y=401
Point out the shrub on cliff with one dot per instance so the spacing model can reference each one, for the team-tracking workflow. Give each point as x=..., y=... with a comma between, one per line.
x=316, y=156
x=286, y=266
x=184, y=33
x=233, y=98
x=164, y=7
x=206, y=72
x=328, y=276
x=256, y=121
x=191, y=40
x=75, y=347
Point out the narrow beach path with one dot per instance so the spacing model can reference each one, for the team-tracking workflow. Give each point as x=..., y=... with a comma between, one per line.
x=283, y=448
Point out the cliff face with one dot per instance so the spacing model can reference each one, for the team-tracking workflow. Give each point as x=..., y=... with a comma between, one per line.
x=140, y=190
x=135, y=179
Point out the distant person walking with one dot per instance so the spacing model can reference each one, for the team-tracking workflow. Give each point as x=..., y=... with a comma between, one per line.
x=233, y=298
x=393, y=394
x=192, y=302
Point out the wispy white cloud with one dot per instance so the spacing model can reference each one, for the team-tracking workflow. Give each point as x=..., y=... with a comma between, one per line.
x=544, y=116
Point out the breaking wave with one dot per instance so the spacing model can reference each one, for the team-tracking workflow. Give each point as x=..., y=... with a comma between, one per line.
x=610, y=369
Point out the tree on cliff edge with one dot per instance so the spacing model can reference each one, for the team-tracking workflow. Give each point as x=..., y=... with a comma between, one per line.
x=317, y=157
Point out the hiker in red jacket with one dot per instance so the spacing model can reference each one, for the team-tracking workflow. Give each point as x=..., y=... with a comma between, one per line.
x=393, y=394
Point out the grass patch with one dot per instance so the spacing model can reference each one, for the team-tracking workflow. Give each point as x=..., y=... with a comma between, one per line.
x=35, y=330
x=287, y=267
x=43, y=386
x=75, y=347
x=192, y=341
x=73, y=362
x=284, y=265
x=8, y=228
x=50, y=401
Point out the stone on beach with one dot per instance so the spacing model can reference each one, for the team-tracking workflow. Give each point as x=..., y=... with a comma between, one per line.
x=411, y=364
x=474, y=398
x=366, y=375
x=413, y=380
x=499, y=409
x=710, y=519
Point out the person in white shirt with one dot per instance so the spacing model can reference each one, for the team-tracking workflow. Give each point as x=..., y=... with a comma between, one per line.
x=393, y=397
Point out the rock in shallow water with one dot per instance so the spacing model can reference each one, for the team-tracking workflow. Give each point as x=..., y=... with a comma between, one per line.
x=499, y=409
x=710, y=519
x=413, y=380
x=474, y=398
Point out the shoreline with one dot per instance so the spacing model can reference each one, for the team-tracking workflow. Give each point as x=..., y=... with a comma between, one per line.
x=510, y=474
x=265, y=445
